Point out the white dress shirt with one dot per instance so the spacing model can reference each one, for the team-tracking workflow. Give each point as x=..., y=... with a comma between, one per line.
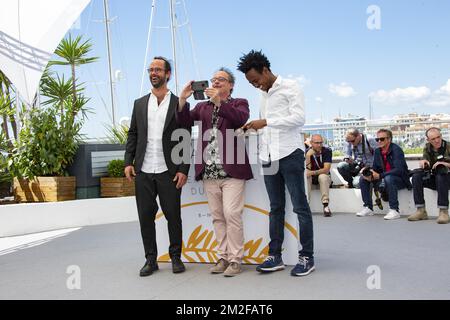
x=154, y=161
x=283, y=108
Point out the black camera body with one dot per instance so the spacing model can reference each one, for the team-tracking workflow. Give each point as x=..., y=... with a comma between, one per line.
x=425, y=171
x=441, y=169
x=356, y=166
x=199, y=88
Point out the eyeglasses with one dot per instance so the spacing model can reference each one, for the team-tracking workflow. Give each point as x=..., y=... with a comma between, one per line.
x=220, y=79
x=351, y=141
x=321, y=142
x=157, y=70
x=380, y=139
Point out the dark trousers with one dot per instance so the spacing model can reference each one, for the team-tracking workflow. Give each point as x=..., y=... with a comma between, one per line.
x=440, y=182
x=349, y=174
x=391, y=184
x=148, y=187
x=290, y=174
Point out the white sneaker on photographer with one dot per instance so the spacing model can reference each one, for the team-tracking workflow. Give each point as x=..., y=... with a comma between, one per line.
x=392, y=214
x=365, y=212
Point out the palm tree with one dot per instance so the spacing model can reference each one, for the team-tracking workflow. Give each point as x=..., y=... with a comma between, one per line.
x=56, y=90
x=74, y=53
x=6, y=106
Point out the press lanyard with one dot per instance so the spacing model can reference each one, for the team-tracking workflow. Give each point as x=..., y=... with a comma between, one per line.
x=315, y=159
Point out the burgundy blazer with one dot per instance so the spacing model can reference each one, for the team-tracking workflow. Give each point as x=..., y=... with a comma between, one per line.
x=232, y=115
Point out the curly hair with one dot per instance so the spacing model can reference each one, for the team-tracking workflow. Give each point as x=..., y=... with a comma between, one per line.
x=253, y=60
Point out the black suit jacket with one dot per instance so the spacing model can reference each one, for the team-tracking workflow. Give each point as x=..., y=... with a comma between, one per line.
x=137, y=136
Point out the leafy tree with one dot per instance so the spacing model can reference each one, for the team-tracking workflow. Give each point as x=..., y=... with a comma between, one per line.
x=73, y=52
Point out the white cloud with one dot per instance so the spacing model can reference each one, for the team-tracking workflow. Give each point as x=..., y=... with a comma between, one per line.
x=343, y=90
x=414, y=95
x=301, y=79
x=401, y=95
x=446, y=88
x=319, y=99
x=441, y=97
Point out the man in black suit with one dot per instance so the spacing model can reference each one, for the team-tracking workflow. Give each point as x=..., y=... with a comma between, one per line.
x=148, y=157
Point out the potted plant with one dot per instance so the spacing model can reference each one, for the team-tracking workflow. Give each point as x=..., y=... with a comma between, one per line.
x=116, y=184
x=50, y=134
x=46, y=146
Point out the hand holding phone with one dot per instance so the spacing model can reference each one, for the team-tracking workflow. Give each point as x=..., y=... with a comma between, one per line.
x=199, y=89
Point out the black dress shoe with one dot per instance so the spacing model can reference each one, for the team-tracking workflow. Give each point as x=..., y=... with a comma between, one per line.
x=148, y=269
x=177, y=265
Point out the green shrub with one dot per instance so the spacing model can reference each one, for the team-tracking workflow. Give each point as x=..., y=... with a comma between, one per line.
x=337, y=153
x=117, y=134
x=418, y=150
x=116, y=168
x=5, y=176
x=47, y=145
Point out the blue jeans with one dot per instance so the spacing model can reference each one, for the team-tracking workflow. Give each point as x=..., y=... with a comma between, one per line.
x=392, y=185
x=290, y=173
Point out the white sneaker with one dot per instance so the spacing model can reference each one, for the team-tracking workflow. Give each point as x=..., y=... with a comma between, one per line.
x=365, y=212
x=392, y=214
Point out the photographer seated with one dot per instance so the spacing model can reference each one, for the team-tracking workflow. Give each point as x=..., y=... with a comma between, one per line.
x=433, y=175
x=318, y=165
x=389, y=174
x=359, y=153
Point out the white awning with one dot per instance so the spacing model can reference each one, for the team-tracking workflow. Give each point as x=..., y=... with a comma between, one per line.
x=30, y=31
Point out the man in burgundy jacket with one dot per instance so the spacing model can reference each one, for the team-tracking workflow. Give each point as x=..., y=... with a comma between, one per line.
x=222, y=163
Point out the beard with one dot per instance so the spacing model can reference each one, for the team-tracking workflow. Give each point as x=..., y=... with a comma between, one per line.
x=158, y=83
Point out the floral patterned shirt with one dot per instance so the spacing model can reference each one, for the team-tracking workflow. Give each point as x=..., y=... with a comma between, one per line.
x=213, y=167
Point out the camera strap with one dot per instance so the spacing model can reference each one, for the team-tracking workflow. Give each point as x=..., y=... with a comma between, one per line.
x=443, y=148
x=366, y=141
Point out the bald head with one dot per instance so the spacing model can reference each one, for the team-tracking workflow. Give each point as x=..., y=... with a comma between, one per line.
x=317, y=142
x=432, y=131
x=434, y=137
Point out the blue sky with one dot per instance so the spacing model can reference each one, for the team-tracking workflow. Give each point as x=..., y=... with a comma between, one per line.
x=326, y=45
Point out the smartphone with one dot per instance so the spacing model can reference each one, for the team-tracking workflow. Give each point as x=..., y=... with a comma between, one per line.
x=199, y=88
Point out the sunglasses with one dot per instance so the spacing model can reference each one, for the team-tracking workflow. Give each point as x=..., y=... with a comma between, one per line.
x=380, y=139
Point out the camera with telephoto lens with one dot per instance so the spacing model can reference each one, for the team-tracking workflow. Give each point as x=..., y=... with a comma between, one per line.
x=355, y=166
x=441, y=169
x=383, y=191
x=425, y=171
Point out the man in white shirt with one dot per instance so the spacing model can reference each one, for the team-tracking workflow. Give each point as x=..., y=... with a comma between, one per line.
x=282, y=147
x=148, y=157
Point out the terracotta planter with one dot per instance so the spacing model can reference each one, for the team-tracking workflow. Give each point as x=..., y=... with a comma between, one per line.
x=116, y=187
x=45, y=189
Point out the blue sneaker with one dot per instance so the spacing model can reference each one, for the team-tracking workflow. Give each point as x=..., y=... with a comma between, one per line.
x=304, y=267
x=272, y=263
